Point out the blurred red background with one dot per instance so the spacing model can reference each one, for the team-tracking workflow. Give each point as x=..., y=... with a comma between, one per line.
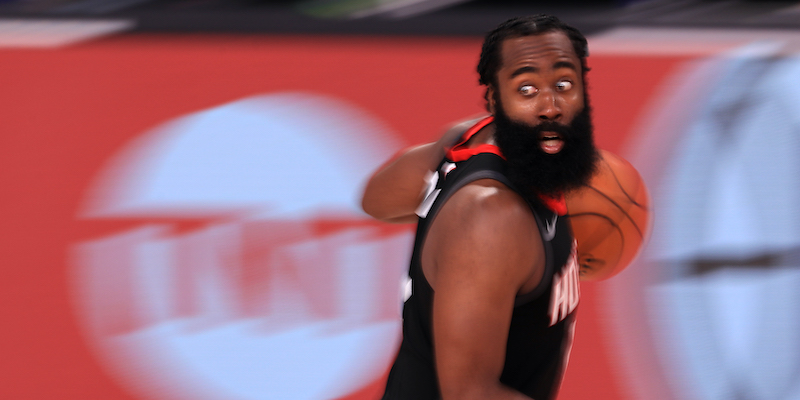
x=64, y=112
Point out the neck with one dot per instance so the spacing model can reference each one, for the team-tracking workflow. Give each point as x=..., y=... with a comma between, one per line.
x=484, y=136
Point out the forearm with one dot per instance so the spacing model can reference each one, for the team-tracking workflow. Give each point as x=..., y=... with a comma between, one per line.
x=393, y=193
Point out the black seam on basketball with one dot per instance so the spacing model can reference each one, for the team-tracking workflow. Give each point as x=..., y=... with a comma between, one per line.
x=610, y=221
x=638, y=230
x=630, y=198
x=625, y=192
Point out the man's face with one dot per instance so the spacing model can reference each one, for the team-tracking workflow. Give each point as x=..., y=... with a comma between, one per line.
x=542, y=119
x=539, y=81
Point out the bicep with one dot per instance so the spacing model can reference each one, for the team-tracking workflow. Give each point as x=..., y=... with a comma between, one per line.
x=470, y=326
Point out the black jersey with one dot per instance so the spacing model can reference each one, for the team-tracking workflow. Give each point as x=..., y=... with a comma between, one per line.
x=540, y=334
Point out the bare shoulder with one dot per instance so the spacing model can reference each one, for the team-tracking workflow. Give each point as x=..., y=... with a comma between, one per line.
x=487, y=203
x=484, y=230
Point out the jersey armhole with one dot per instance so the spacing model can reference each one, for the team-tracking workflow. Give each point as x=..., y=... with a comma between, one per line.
x=497, y=176
x=440, y=202
x=549, y=266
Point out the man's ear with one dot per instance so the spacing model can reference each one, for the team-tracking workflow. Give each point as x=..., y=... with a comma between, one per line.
x=490, y=99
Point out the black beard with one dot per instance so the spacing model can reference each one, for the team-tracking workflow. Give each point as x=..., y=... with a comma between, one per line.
x=535, y=172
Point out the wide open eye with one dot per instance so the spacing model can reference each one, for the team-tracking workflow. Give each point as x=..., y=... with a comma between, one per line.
x=527, y=90
x=563, y=86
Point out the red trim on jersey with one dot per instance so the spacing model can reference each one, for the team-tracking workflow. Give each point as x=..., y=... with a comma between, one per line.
x=557, y=204
x=459, y=152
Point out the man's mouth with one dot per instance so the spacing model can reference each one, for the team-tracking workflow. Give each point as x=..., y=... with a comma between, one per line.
x=552, y=142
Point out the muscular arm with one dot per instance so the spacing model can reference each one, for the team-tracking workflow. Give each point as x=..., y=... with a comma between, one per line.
x=481, y=255
x=395, y=190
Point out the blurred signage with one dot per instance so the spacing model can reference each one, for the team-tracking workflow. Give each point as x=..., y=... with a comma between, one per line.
x=241, y=268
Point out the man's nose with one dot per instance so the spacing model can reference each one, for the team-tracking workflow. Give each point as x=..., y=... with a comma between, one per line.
x=548, y=107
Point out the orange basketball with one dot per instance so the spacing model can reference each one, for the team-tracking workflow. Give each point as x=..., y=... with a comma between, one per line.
x=610, y=218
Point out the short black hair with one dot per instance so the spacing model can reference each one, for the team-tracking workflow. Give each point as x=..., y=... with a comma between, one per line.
x=490, y=60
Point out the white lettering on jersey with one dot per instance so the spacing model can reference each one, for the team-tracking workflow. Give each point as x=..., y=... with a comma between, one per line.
x=431, y=193
x=407, y=288
x=566, y=289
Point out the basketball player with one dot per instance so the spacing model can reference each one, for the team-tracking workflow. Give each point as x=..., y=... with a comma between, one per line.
x=494, y=270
